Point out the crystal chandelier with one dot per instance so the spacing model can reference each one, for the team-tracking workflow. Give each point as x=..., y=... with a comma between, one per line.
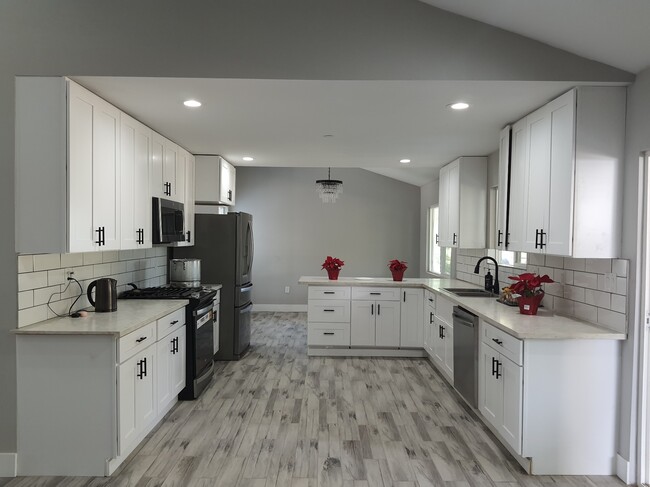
x=329, y=189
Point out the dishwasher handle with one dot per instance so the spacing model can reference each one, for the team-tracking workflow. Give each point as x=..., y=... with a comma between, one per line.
x=463, y=317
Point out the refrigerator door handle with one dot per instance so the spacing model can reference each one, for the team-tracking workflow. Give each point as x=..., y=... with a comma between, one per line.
x=251, y=248
x=245, y=289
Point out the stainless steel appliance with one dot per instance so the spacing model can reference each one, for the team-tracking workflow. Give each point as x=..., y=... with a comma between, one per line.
x=185, y=272
x=105, y=294
x=466, y=355
x=199, y=318
x=167, y=218
x=224, y=243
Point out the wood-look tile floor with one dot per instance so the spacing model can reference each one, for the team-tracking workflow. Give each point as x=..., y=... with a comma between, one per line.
x=280, y=418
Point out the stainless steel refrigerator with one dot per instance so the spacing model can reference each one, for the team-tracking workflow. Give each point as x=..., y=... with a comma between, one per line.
x=224, y=243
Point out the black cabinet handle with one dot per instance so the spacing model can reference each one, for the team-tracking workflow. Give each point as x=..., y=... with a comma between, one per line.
x=431, y=300
x=329, y=310
x=173, y=342
x=328, y=333
x=99, y=236
x=189, y=235
x=405, y=296
x=500, y=234
x=454, y=241
x=329, y=292
x=140, y=373
x=494, y=362
x=378, y=309
x=430, y=317
x=230, y=195
x=372, y=309
x=141, y=339
x=498, y=374
x=375, y=294
x=497, y=341
x=537, y=238
x=437, y=239
x=173, y=322
x=542, y=234
x=144, y=366
x=442, y=332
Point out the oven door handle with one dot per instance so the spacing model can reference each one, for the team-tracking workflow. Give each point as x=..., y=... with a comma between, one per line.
x=203, y=311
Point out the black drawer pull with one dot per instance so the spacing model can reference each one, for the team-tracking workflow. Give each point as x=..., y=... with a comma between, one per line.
x=375, y=294
x=497, y=341
x=329, y=292
x=329, y=310
x=141, y=339
x=173, y=322
x=328, y=333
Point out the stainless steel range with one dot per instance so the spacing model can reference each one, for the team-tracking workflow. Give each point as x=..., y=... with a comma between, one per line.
x=199, y=321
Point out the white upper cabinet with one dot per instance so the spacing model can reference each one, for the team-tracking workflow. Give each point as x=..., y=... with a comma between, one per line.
x=67, y=168
x=215, y=181
x=566, y=175
x=167, y=170
x=463, y=203
x=135, y=160
x=504, y=181
x=186, y=161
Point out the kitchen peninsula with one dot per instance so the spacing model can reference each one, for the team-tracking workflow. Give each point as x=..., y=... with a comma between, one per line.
x=546, y=384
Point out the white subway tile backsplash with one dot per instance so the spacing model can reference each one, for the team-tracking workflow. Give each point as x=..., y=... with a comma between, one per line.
x=72, y=260
x=586, y=312
x=621, y=285
x=554, y=261
x=597, y=298
x=101, y=270
x=92, y=258
x=43, y=295
x=118, y=267
x=56, y=276
x=599, y=266
x=574, y=293
x=620, y=267
x=29, y=316
x=110, y=256
x=32, y=280
x=563, y=275
x=575, y=264
x=44, y=262
x=585, y=279
x=554, y=289
x=59, y=308
x=619, y=303
x=25, y=263
x=611, y=319
x=25, y=299
x=549, y=271
x=536, y=259
x=564, y=306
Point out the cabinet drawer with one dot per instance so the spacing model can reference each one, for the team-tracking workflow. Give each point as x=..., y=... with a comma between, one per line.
x=430, y=299
x=328, y=292
x=170, y=323
x=445, y=309
x=507, y=345
x=327, y=334
x=136, y=341
x=376, y=293
x=329, y=311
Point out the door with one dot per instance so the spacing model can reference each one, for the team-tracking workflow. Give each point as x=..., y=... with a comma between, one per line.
x=127, y=376
x=157, y=181
x=454, y=203
x=517, y=188
x=491, y=389
x=444, y=237
x=189, y=198
x=511, y=421
x=438, y=342
x=245, y=248
x=411, y=322
x=387, y=324
x=362, y=323
x=227, y=182
x=179, y=362
x=170, y=170
x=145, y=392
x=502, y=200
x=164, y=351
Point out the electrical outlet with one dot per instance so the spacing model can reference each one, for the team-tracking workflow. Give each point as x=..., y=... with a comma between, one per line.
x=287, y=289
x=70, y=274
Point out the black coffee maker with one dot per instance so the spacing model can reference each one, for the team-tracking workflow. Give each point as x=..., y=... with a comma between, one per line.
x=105, y=294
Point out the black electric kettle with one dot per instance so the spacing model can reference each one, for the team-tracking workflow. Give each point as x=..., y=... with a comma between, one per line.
x=105, y=294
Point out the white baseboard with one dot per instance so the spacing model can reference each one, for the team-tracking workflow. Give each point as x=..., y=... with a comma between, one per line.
x=623, y=470
x=290, y=308
x=8, y=464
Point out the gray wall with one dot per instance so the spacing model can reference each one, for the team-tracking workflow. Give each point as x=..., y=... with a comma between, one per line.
x=376, y=219
x=283, y=39
x=637, y=141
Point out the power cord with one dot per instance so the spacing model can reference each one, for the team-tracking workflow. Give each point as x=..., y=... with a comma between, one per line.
x=81, y=291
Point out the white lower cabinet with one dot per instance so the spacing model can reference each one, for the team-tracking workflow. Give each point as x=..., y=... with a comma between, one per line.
x=328, y=317
x=411, y=322
x=443, y=347
x=171, y=357
x=375, y=323
x=429, y=312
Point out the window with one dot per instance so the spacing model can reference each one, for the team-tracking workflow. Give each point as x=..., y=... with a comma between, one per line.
x=511, y=258
x=438, y=258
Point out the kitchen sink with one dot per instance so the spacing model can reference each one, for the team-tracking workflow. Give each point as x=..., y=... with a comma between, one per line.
x=468, y=292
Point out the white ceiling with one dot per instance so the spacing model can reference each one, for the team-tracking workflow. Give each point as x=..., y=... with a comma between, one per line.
x=373, y=124
x=614, y=32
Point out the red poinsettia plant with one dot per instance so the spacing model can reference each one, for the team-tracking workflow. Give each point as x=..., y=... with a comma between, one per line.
x=529, y=284
x=397, y=265
x=332, y=263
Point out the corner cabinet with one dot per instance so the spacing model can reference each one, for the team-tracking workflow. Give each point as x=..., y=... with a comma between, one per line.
x=463, y=200
x=566, y=175
x=215, y=181
x=411, y=320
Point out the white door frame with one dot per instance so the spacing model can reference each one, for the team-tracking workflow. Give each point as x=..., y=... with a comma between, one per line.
x=643, y=446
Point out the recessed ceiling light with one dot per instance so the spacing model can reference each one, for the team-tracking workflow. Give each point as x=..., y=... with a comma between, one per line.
x=461, y=105
x=247, y=158
x=192, y=103
x=405, y=161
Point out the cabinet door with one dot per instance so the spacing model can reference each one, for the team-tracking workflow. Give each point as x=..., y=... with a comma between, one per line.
x=181, y=174
x=170, y=163
x=127, y=424
x=106, y=173
x=157, y=180
x=411, y=320
x=226, y=182
x=135, y=195
x=502, y=200
x=490, y=388
x=189, y=198
x=448, y=342
x=164, y=367
x=454, y=204
x=538, y=177
x=179, y=364
x=80, y=170
x=145, y=390
x=511, y=420
x=517, y=192
x=438, y=342
x=387, y=324
x=444, y=239
x=559, y=227
x=215, y=336
x=362, y=323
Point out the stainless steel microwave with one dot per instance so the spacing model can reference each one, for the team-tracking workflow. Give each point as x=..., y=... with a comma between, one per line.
x=167, y=221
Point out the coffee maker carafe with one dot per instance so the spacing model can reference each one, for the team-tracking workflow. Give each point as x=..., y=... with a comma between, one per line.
x=105, y=294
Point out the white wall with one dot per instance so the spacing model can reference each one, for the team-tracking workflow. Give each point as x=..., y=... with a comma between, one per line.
x=283, y=39
x=428, y=197
x=376, y=219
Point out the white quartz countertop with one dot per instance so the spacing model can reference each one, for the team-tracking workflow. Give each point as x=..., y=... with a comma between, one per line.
x=546, y=325
x=131, y=314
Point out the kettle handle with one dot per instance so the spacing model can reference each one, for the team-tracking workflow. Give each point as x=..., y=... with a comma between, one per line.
x=89, y=292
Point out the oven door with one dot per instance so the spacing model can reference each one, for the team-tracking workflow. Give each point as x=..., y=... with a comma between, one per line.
x=203, y=339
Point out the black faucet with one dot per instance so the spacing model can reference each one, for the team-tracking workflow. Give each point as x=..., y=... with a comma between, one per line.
x=495, y=287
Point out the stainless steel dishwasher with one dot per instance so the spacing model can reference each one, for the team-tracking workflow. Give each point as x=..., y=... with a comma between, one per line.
x=466, y=355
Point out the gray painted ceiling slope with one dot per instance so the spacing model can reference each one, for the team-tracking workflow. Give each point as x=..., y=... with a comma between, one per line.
x=332, y=67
